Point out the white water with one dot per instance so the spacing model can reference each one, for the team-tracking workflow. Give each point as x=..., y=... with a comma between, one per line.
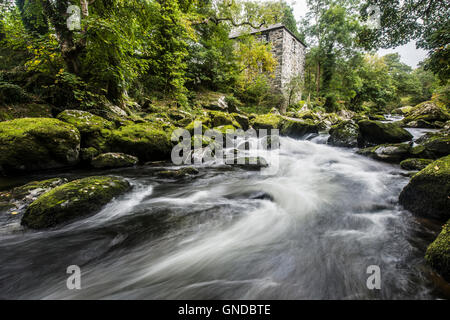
x=333, y=214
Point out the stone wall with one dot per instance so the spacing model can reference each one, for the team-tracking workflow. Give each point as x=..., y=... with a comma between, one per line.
x=290, y=56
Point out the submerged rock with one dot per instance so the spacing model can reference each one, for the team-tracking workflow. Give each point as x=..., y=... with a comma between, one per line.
x=73, y=200
x=438, y=253
x=415, y=164
x=177, y=174
x=345, y=134
x=375, y=132
x=37, y=143
x=393, y=153
x=114, y=160
x=427, y=194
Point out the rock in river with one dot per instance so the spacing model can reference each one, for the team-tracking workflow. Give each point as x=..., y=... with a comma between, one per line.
x=428, y=192
x=375, y=132
x=73, y=200
x=344, y=134
x=438, y=253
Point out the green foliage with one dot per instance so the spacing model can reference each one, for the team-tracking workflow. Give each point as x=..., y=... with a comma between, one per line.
x=11, y=93
x=401, y=21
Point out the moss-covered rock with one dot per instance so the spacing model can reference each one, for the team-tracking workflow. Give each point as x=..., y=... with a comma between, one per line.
x=345, y=134
x=84, y=121
x=375, y=132
x=427, y=111
x=266, y=121
x=438, y=253
x=307, y=115
x=17, y=199
x=403, y=110
x=436, y=145
x=143, y=140
x=427, y=194
x=36, y=188
x=415, y=164
x=95, y=131
x=37, y=143
x=298, y=128
x=219, y=118
x=113, y=160
x=203, y=123
x=393, y=153
x=87, y=154
x=73, y=200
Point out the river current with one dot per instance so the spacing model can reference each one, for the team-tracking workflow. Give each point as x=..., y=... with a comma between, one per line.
x=308, y=231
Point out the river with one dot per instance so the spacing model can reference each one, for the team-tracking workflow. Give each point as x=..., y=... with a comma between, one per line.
x=309, y=231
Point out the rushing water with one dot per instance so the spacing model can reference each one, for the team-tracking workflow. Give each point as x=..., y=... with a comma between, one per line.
x=308, y=232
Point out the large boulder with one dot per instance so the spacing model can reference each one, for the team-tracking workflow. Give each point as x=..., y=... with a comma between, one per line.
x=375, y=132
x=113, y=160
x=344, y=134
x=427, y=194
x=393, y=153
x=295, y=128
x=37, y=143
x=95, y=131
x=143, y=140
x=438, y=253
x=73, y=200
x=427, y=111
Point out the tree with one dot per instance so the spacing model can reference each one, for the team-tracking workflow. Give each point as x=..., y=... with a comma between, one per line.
x=330, y=29
x=402, y=21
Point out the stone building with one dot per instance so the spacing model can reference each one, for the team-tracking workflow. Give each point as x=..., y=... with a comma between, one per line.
x=288, y=50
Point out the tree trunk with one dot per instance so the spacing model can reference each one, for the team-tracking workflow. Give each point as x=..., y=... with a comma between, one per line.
x=318, y=78
x=56, y=12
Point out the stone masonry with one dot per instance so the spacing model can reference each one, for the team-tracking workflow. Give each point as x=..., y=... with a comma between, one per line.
x=288, y=50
